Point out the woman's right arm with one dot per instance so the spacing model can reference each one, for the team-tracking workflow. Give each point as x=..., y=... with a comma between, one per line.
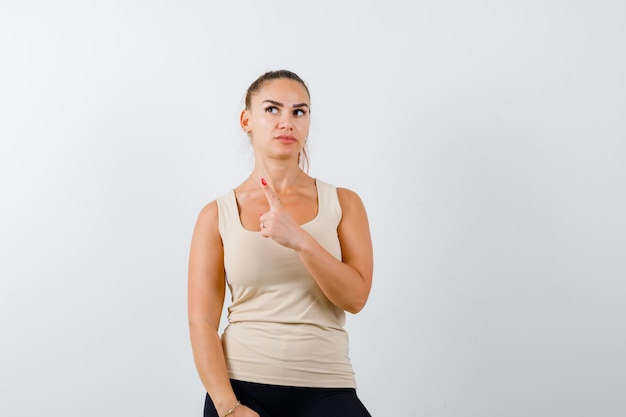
x=206, y=291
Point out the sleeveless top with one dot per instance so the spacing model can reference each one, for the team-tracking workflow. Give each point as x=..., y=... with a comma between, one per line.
x=282, y=330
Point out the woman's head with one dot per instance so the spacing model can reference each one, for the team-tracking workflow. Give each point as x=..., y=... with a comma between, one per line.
x=276, y=116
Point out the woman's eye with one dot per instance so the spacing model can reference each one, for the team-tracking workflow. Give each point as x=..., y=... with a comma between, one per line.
x=299, y=112
x=271, y=109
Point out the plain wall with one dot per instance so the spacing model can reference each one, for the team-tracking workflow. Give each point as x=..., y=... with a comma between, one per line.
x=486, y=139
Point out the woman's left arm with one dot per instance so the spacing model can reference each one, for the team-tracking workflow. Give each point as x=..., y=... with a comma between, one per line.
x=346, y=282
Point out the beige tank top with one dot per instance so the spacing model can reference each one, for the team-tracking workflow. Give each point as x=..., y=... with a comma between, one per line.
x=282, y=329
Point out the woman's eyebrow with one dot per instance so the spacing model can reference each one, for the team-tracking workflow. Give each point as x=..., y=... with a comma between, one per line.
x=279, y=104
x=275, y=103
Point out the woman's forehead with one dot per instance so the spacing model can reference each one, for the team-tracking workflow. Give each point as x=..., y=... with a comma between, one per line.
x=282, y=90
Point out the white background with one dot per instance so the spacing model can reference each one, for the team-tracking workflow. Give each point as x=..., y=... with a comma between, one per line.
x=486, y=138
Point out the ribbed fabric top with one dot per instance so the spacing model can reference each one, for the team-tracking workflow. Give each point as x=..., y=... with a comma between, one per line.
x=282, y=329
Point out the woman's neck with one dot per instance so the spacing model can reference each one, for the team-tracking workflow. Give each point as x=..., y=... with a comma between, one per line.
x=280, y=176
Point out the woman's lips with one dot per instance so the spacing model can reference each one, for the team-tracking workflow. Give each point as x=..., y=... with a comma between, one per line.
x=286, y=139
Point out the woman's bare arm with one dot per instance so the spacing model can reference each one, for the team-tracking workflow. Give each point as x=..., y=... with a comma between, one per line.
x=206, y=291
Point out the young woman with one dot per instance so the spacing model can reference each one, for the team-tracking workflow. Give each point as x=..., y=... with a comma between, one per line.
x=296, y=254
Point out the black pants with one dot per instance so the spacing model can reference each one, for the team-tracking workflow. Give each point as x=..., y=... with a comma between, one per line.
x=283, y=401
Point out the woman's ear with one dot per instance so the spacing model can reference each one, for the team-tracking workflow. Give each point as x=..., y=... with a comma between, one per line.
x=244, y=121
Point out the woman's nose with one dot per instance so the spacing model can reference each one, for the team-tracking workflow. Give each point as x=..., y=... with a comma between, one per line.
x=286, y=121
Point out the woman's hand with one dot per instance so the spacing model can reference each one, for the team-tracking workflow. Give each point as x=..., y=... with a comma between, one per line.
x=278, y=224
x=244, y=411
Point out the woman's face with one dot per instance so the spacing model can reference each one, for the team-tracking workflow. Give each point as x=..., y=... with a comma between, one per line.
x=278, y=119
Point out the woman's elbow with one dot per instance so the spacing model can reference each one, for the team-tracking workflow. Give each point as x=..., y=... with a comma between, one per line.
x=356, y=305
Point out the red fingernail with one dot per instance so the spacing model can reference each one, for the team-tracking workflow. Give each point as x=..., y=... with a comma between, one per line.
x=263, y=181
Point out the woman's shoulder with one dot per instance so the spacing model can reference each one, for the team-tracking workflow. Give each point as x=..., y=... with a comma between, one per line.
x=347, y=198
x=211, y=209
x=343, y=193
x=208, y=213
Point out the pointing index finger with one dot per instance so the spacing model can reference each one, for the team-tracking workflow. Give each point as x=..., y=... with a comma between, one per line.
x=272, y=199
